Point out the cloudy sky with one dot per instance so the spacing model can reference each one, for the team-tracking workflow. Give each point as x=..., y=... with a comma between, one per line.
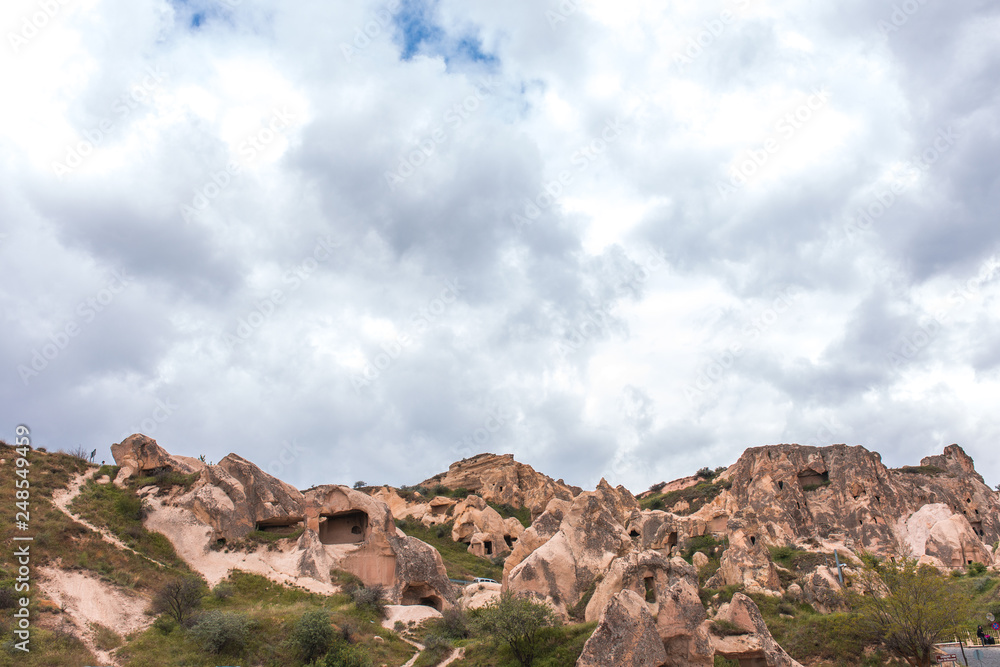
x=359, y=241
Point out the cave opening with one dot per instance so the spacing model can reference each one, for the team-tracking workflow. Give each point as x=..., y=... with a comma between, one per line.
x=343, y=527
x=650, y=585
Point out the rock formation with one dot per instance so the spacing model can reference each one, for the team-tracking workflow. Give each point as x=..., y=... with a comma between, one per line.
x=625, y=637
x=502, y=480
x=757, y=646
x=340, y=528
x=481, y=527
x=139, y=455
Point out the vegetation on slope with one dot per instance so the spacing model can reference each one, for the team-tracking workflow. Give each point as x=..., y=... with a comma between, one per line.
x=458, y=561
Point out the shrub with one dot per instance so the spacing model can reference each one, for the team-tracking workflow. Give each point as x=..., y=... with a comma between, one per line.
x=223, y=590
x=454, y=623
x=345, y=655
x=313, y=634
x=370, y=598
x=165, y=624
x=222, y=631
x=515, y=622
x=976, y=569
x=131, y=508
x=8, y=599
x=179, y=598
x=724, y=628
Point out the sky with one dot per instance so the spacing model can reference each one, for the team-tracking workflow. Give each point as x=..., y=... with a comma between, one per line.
x=360, y=241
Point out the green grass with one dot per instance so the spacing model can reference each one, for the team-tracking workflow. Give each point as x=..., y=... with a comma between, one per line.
x=812, y=487
x=457, y=559
x=922, y=470
x=273, y=609
x=48, y=649
x=697, y=496
x=165, y=480
x=121, y=512
x=522, y=514
x=560, y=647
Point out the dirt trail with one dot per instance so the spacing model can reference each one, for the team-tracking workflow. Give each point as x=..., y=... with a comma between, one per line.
x=62, y=499
x=85, y=598
x=416, y=614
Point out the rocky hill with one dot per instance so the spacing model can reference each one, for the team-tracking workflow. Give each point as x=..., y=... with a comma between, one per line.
x=646, y=581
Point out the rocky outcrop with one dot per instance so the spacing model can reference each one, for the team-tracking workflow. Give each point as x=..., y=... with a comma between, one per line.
x=846, y=496
x=479, y=595
x=481, y=527
x=669, y=589
x=625, y=637
x=538, y=533
x=501, y=479
x=139, y=455
x=590, y=536
x=337, y=527
x=755, y=647
x=747, y=562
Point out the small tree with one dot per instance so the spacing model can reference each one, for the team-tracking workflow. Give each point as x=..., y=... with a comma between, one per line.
x=178, y=598
x=220, y=631
x=313, y=634
x=908, y=607
x=515, y=621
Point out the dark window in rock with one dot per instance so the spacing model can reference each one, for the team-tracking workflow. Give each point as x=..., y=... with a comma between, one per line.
x=488, y=547
x=753, y=540
x=509, y=540
x=501, y=489
x=878, y=499
x=977, y=527
x=968, y=500
x=650, y=588
x=343, y=527
x=781, y=485
x=810, y=477
x=633, y=533
x=797, y=505
x=671, y=541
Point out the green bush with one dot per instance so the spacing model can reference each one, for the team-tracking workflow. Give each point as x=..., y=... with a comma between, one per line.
x=179, y=597
x=724, y=628
x=223, y=590
x=131, y=508
x=343, y=654
x=222, y=631
x=313, y=634
x=976, y=569
x=370, y=598
x=8, y=599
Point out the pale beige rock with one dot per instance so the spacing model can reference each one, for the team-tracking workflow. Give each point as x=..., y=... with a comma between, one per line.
x=625, y=636
x=590, y=535
x=501, y=479
x=759, y=645
x=483, y=529
x=747, y=562
x=139, y=455
x=541, y=531
x=475, y=596
x=699, y=560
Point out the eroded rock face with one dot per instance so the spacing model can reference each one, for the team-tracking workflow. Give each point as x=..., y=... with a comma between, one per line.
x=626, y=636
x=341, y=528
x=747, y=562
x=590, y=536
x=139, y=455
x=481, y=527
x=842, y=494
x=757, y=643
x=669, y=589
x=501, y=479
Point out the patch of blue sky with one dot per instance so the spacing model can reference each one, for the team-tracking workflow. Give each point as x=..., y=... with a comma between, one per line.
x=419, y=33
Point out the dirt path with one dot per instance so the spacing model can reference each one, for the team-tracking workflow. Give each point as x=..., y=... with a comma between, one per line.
x=62, y=499
x=416, y=614
x=86, y=599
